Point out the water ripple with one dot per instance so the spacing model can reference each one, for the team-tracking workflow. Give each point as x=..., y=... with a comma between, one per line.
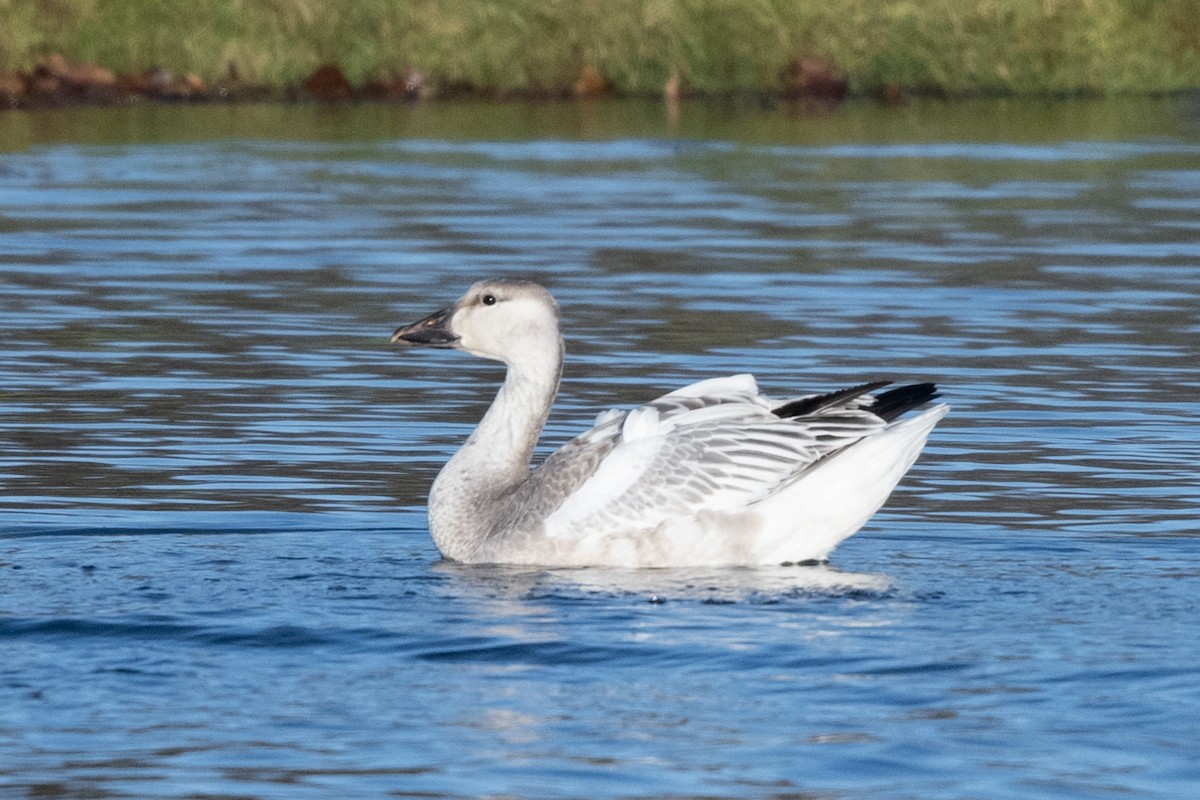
x=215, y=577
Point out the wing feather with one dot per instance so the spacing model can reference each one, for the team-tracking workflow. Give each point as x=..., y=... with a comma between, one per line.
x=712, y=446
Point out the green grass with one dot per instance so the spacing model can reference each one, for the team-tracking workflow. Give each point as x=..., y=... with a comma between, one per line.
x=956, y=46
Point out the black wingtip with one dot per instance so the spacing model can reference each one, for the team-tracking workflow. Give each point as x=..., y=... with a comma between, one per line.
x=811, y=405
x=891, y=404
x=887, y=405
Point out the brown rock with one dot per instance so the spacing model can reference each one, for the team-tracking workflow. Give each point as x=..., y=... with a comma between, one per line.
x=44, y=88
x=55, y=65
x=91, y=83
x=127, y=84
x=57, y=75
x=328, y=84
x=892, y=94
x=591, y=83
x=92, y=77
x=56, y=80
x=191, y=87
x=12, y=89
x=816, y=77
x=45, y=85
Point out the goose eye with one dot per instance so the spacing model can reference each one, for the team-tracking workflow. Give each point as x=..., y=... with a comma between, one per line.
x=489, y=299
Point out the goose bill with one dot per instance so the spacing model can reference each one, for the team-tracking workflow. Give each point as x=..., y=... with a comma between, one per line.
x=433, y=330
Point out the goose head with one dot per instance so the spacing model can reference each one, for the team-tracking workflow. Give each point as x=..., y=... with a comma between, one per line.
x=501, y=320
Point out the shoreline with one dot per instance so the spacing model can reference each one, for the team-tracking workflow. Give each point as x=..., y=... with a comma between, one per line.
x=112, y=52
x=56, y=82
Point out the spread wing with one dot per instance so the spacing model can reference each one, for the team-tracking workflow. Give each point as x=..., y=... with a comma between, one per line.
x=713, y=446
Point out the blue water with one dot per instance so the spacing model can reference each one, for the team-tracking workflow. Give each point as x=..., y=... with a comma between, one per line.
x=215, y=576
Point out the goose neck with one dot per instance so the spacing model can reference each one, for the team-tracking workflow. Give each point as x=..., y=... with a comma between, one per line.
x=509, y=430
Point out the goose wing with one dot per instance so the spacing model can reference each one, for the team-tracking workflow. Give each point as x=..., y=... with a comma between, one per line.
x=713, y=446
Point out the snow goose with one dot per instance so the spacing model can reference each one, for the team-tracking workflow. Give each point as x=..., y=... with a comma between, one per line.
x=710, y=474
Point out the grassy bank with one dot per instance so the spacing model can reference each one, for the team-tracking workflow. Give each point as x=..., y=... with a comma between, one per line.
x=955, y=46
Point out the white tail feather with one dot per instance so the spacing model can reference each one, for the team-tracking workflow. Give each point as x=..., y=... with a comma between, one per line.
x=808, y=519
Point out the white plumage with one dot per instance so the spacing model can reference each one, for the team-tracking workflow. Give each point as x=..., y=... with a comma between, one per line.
x=710, y=474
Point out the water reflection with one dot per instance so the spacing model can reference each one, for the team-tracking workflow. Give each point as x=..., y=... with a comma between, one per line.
x=516, y=587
